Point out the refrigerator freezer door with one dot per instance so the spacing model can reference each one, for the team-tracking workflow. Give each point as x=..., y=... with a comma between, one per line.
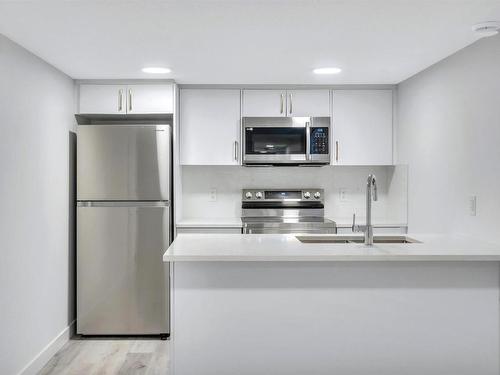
x=122, y=282
x=123, y=162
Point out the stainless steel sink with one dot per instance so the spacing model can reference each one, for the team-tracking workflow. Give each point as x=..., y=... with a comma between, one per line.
x=400, y=239
x=313, y=239
x=356, y=239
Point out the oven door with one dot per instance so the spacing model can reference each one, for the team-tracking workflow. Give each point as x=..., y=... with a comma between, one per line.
x=288, y=225
x=289, y=228
x=275, y=140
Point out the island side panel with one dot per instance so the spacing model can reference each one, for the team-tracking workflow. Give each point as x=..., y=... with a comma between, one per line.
x=343, y=318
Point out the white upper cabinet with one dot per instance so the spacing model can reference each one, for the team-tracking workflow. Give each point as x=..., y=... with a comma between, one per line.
x=210, y=127
x=282, y=103
x=362, y=127
x=103, y=99
x=305, y=103
x=143, y=99
x=126, y=99
x=264, y=103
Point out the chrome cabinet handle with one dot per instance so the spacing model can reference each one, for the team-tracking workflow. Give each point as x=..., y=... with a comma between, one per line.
x=120, y=100
x=291, y=105
x=336, y=150
x=236, y=150
x=130, y=100
x=281, y=103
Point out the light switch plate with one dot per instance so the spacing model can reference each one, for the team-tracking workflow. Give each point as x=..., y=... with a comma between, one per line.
x=212, y=195
x=472, y=205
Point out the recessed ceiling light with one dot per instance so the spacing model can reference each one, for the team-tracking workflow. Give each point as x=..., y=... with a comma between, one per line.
x=156, y=70
x=486, y=28
x=330, y=70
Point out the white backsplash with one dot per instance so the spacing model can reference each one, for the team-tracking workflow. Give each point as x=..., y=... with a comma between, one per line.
x=198, y=181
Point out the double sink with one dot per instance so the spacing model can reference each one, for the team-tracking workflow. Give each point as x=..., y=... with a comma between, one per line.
x=339, y=239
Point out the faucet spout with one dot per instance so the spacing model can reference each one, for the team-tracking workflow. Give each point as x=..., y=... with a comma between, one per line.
x=374, y=188
x=371, y=193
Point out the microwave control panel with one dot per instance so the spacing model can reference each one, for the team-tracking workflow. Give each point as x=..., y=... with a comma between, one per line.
x=319, y=141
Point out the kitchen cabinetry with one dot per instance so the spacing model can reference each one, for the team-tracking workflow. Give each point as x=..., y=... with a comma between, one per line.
x=103, y=99
x=264, y=103
x=286, y=103
x=303, y=103
x=210, y=126
x=362, y=127
x=126, y=99
x=142, y=99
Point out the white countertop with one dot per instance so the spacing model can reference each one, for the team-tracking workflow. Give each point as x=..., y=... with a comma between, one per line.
x=347, y=223
x=235, y=222
x=285, y=247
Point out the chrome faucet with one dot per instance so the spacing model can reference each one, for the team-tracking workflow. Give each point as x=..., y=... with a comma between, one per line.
x=371, y=192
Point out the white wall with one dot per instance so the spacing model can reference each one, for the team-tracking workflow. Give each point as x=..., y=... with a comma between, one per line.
x=36, y=125
x=229, y=180
x=449, y=134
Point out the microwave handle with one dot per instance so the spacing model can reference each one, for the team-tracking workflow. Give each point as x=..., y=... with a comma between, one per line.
x=308, y=141
x=236, y=149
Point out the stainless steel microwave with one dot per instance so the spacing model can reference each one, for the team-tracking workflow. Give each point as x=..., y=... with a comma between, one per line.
x=286, y=140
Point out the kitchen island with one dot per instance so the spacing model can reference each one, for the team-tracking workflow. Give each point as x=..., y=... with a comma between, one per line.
x=271, y=304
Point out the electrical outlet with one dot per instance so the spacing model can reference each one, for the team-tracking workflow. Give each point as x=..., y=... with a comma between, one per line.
x=212, y=195
x=472, y=205
x=343, y=195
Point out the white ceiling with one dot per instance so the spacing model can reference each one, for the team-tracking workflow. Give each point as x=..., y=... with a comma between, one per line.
x=245, y=42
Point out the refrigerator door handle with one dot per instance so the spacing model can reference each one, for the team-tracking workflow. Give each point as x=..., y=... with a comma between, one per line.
x=123, y=203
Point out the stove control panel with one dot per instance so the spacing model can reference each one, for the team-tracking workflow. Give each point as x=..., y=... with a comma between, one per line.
x=282, y=195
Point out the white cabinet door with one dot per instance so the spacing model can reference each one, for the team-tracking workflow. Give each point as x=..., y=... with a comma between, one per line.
x=102, y=99
x=305, y=103
x=362, y=121
x=144, y=99
x=210, y=126
x=264, y=103
x=277, y=103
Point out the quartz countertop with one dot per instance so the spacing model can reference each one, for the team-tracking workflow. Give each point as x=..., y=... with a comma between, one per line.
x=235, y=222
x=377, y=223
x=286, y=247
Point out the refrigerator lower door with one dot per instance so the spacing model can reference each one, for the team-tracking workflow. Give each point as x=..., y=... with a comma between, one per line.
x=122, y=281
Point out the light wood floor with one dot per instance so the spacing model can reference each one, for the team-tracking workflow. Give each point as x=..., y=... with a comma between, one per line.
x=108, y=357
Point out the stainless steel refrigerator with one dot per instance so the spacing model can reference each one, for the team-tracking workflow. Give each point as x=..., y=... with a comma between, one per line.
x=123, y=228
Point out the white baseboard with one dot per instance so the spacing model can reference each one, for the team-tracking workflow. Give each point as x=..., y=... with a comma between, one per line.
x=41, y=359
